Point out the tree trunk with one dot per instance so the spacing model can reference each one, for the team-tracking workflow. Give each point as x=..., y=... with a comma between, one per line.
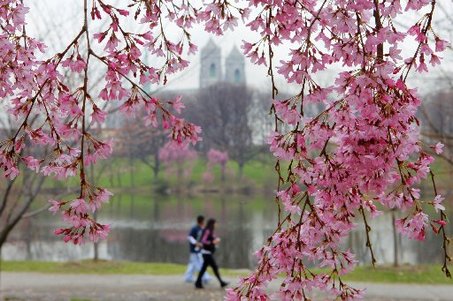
x=131, y=170
x=96, y=244
x=395, y=240
x=156, y=167
x=241, y=170
x=222, y=173
x=118, y=178
x=112, y=184
x=28, y=239
x=179, y=171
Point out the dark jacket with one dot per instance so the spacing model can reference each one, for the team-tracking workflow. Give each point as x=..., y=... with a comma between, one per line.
x=195, y=232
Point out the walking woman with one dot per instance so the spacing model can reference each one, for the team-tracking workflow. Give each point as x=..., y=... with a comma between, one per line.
x=209, y=241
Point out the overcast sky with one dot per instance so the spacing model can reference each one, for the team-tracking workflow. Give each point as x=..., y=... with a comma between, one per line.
x=58, y=21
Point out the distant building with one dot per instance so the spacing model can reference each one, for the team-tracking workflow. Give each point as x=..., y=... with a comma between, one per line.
x=211, y=66
x=211, y=72
x=235, y=67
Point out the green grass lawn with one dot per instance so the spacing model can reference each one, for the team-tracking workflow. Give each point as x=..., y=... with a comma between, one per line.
x=426, y=274
x=93, y=267
x=101, y=267
x=121, y=173
x=118, y=173
x=423, y=274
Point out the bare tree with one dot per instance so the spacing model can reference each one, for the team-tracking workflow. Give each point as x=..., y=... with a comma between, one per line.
x=222, y=110
x=262, y=123
x=136, y=142
x=16, y=195
x=437, y=118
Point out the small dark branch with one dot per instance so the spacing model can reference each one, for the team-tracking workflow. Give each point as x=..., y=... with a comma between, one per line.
x=445, y=239
x=83, y=180
x=445, y=243
x=377, y=19
x=434, y=182
x=279, y=183
x=269, y=240
x=302, y=96
x=270, y=70
x=315, y=213
x=307, y=200
x=46, y=207
x=359, y=33
x=368, y=240
x=324, y=149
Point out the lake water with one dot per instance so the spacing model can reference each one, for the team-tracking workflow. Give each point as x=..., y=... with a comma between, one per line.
x=151, y=228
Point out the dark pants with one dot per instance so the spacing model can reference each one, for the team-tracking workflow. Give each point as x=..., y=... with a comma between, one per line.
x=208, y=260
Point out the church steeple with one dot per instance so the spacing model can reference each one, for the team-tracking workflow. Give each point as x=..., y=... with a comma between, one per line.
x=210, y=71
x=235, y=67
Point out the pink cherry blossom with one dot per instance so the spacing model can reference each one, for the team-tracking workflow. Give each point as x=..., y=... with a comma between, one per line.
x=438, y=148
x=441, y=45
x=437, y=203
x=32, y=163
x=79, y=206
x=98, y=115
x=55, y=206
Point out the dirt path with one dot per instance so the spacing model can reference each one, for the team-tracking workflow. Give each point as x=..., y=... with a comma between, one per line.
x=56, y=287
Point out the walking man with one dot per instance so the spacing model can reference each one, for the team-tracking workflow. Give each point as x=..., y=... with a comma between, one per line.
x=195, y=259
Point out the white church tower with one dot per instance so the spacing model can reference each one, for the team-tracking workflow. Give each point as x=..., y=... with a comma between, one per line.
x=235, y=67
x=210, y=67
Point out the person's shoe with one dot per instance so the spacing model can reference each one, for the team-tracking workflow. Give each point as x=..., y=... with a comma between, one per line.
x=224, y=284
x=198, y=285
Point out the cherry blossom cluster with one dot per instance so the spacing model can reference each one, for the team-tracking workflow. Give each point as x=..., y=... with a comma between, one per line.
x=361, y=150
x=215, y=157
x=173, y=152
x=179, y=159
x=55, y=116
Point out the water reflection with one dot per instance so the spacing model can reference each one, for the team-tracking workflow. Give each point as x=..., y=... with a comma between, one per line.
x=154, y=229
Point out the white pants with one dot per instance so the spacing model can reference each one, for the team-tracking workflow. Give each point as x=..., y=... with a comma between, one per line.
x=194, y=266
